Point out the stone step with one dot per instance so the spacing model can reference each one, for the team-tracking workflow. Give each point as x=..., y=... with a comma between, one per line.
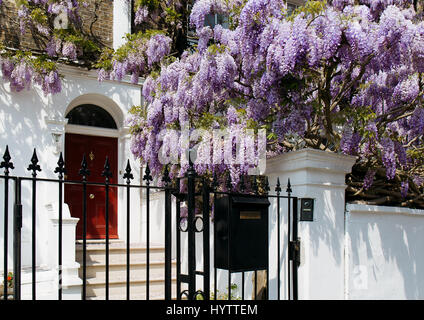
x=119, y=271
x=155, y=295
x=118, y=253
x=117, y=289
x=96, y=270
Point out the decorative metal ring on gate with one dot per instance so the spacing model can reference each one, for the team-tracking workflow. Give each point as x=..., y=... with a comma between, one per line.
x=197, y=293
x=184, y=293
x=195, y=223
x=181, y=223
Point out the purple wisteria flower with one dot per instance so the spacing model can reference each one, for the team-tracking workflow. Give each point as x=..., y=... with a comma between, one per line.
x=157, y=47
x=418, y=180
x=21, y=76
x=103, y=75
x=7, y=67
x=350, y=142
x=231, y=116
x=141, y=14
x=204, y=34
x=69, y=50
x=404, y=188
x=388, y=157
x=369, y=179
x=51, y=47
x=416, y=122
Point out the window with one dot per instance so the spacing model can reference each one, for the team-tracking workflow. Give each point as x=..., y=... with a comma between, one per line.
x=214, y=19
x=91, y=115
x=291, y=8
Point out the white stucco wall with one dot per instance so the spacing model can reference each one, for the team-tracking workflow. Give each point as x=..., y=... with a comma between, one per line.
x=321, y=176
x=27, y=121
x=121, y=22
x=384, y=252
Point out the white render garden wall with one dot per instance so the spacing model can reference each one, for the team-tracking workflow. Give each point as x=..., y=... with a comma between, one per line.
x=384, y=252
x=350, y=251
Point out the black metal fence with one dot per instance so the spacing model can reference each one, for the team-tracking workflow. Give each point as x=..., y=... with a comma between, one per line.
x=196, y=221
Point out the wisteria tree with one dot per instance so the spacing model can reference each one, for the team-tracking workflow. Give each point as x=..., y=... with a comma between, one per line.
x=343, y=76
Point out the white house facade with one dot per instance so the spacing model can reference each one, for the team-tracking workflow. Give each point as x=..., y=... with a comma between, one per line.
x=347, y=251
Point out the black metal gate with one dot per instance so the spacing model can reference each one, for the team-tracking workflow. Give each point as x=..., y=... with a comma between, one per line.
x=197, y=221
x=191, y=264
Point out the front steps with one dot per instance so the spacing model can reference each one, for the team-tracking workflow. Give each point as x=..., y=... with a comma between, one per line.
x=96, y=270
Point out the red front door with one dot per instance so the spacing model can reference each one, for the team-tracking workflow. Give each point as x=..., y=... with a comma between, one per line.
x=95, y=149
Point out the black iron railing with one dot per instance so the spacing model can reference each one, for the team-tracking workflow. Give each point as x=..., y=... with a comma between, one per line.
x=205, y=189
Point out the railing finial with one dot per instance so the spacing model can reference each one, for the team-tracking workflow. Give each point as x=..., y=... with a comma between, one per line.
x=84, y=172
x=278, y=186
x=34, y=166
x=165, y=178
x=106, y=170
x=267, y=188
x=60, y=169
x=147, y=177
x=128, y=175
x=289, y=189
x=6, y=164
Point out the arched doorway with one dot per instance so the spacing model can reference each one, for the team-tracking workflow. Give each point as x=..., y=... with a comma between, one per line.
x=92, y=120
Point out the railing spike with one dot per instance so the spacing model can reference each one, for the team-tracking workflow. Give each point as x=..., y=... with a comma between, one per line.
x=106, y=170
x=60, y=169
x=289, y=189
x=128, y=175
x=34, y=166
x=6, y=155
x=267, y=188
x=84, y=172
x=165, y=178
x=6, y=164
x=278, y=186
x=147, y=177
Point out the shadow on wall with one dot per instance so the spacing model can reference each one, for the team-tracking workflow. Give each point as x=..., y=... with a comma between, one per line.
x=327, y=220
x=386, y=257
x=21, y=123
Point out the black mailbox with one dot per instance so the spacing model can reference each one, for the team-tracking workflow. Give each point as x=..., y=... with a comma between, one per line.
x=241, y=233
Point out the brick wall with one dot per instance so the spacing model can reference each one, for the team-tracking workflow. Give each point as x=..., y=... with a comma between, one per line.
x=97, y=19
x=9, y=25
x=99, y=16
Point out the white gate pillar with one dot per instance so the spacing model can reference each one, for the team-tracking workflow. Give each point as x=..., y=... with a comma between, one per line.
x=318, y=175
x=71, y=283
